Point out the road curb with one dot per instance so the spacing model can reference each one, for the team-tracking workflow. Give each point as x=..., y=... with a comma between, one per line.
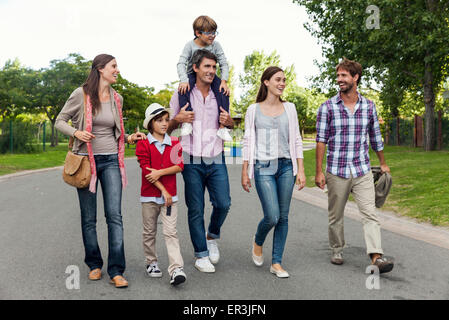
x=438, y=236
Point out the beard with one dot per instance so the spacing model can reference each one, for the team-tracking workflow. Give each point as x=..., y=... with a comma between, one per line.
x=348, y=88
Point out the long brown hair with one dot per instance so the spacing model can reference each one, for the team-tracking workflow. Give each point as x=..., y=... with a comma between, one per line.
x=92, y=83
x=266, y=75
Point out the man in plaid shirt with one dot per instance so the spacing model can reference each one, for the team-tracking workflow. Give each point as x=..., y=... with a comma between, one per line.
x=343, y=123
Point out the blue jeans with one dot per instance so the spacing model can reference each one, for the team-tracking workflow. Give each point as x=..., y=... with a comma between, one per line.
x=274, y=184
x=198, y=175
x=108, y=173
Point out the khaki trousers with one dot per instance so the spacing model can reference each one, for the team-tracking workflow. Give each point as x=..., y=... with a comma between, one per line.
x=150, y=213
x=362, y=188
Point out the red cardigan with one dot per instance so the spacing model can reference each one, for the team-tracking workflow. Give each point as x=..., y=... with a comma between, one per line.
x=149, y=157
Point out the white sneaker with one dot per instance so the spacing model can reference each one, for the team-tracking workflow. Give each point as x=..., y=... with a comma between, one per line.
x=204, y=265
x=214, y=253
x=224, y=134
x=153, y=270
x=186, y=129
x=178, y=276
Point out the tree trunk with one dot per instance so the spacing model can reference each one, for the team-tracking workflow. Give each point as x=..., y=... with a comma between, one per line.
x=429, y=102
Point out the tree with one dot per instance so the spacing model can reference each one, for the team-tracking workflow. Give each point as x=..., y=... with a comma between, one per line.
x=307, y=102
x=14, y=78
x=406, y=50
x=254, y=65
x=56, y=83
x=135, y=101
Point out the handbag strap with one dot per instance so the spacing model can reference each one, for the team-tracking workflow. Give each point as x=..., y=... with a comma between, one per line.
x=72, y=139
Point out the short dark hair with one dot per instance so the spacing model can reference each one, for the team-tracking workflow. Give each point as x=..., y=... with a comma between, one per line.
x=200, y=54
x=352, y=66
x=150, y=124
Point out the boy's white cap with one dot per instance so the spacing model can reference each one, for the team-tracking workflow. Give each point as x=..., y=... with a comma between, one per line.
x=153, y=110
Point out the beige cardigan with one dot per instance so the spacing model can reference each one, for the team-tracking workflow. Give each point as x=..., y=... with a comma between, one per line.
x=74, y=110
x=249, y=139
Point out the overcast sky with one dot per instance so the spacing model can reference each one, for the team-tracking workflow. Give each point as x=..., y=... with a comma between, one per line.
x=147, y=37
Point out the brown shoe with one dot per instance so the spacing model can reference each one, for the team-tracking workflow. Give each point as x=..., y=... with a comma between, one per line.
x=119, y=282
x=95, y=274
x=384, y=265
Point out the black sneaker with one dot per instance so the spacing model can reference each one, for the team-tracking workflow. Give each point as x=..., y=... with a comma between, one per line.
x=177, y=277
x=384, y=265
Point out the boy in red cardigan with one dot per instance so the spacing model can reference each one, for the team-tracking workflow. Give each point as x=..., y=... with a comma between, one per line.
x=160, y=157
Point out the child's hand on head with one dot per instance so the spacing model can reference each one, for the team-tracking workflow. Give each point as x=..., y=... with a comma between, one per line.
x=183, y=87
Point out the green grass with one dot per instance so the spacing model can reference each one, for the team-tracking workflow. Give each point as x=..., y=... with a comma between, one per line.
x=420, y=179
x=52, y=157
x=420, y=182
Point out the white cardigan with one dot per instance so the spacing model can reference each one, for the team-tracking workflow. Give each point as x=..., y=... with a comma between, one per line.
x=249, y=139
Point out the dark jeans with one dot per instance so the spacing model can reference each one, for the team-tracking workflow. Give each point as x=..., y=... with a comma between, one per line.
x=108, y=174
x=198, y=175
x=274, y=184
x=222, y=99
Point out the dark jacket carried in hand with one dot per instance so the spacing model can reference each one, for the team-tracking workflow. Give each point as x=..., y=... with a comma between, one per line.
x=382, y=185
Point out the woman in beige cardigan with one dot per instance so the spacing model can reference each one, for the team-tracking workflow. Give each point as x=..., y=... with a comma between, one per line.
x=95, y=110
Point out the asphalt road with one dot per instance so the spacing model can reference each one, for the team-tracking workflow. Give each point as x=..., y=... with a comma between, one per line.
x=40, y=236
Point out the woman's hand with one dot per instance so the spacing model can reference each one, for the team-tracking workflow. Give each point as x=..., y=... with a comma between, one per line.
x=84, y=136
x=301, y=180
x=246, y=182
x=168, y=198
x=154, y=175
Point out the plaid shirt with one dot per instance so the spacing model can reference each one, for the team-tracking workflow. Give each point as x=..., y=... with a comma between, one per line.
x=346, y=135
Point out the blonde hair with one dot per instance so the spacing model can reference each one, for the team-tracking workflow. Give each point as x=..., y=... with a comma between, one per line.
x=204, y=23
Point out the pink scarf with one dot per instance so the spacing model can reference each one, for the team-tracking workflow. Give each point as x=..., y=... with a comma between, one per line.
x=121, y=145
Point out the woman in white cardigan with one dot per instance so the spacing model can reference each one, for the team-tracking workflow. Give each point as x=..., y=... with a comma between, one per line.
x=272, y=154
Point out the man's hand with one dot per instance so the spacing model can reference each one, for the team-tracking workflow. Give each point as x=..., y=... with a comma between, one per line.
x=185, y=116
x=384, y=168
x=224, y=86
x=320, y=180
x=183, y=87
x=225, y=118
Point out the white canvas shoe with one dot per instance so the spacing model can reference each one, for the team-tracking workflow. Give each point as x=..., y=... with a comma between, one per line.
x=204, y=265
x=214, y=253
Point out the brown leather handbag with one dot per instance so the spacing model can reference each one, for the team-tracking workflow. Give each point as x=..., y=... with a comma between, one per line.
x=76, y=170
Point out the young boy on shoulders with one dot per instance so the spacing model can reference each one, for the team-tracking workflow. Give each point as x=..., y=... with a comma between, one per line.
x=205, y=31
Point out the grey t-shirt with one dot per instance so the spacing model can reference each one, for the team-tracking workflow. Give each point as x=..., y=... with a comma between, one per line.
x=185, y=65
x=271, y=136
x=103, y=126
